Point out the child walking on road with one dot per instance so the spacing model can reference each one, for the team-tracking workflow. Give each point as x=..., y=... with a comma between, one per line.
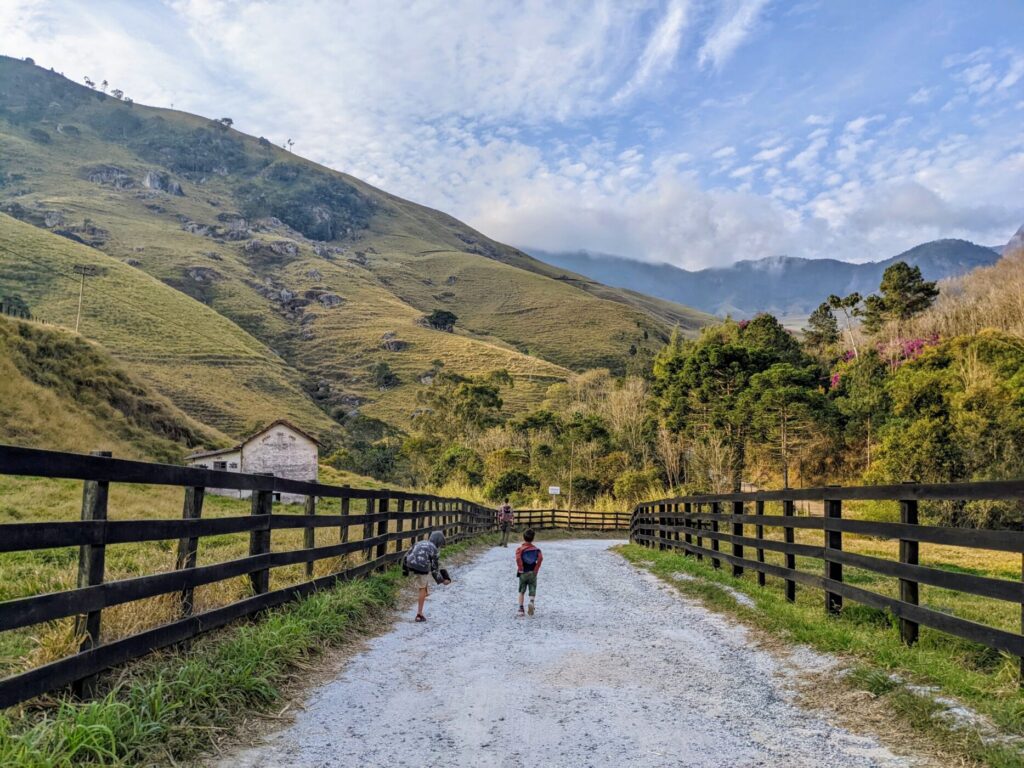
x=528, y=560
x=423, y=560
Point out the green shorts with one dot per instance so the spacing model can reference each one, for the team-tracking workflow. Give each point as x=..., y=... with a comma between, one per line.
x=528, y=580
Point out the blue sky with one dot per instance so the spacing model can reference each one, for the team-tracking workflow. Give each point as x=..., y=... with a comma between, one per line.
x=695, y=132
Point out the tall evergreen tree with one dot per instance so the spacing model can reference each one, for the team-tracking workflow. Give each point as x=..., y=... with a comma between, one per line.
x=822, y=329
x=904, y=293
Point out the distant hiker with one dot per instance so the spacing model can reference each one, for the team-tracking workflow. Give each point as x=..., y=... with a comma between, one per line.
x=422, y=561
x=505, y=520
x=528, y=560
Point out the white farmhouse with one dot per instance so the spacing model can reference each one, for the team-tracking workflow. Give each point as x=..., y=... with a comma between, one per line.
x=281, y=449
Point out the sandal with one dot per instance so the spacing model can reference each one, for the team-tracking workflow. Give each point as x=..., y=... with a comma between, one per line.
x=420, y=617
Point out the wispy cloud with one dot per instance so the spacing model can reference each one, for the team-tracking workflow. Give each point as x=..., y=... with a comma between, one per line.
x=736, y=21
x=921, y=96
x=661, y=49
x=620, y=127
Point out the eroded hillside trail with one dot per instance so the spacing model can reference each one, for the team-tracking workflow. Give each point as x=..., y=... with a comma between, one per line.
x=615, y=669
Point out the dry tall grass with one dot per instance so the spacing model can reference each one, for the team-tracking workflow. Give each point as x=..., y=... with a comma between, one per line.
x=989, y=297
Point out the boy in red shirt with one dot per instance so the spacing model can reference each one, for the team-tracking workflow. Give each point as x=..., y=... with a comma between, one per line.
x=528, y=560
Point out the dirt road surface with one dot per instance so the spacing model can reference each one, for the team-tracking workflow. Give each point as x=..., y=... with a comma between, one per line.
x=614, y=670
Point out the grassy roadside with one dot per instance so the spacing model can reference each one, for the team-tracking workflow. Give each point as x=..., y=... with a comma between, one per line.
x=170, y=707
x=882, y=666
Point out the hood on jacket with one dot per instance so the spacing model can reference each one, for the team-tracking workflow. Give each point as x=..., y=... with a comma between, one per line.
x=437, y=539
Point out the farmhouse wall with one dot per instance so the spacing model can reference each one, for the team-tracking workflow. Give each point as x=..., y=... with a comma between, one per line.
x=284, y=453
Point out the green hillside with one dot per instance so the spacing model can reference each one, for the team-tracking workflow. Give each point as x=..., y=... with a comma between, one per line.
x=303, y=279
x=62, y=392
x=201, y=361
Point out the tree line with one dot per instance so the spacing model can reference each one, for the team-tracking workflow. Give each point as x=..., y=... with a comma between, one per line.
x=855, y=397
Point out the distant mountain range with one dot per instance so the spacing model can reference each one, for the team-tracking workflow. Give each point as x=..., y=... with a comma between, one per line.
x=785, y=286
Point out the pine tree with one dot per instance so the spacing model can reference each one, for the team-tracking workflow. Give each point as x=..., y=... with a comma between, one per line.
x=822, y=329
x=904, y=293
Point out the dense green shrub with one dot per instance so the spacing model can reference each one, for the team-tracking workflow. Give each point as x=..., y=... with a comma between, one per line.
x=508, y=483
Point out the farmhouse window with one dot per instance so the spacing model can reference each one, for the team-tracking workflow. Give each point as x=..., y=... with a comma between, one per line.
x=220, y=465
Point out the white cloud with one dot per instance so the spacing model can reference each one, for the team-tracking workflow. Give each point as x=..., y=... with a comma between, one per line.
x=571, y=125
x=806, y=161
x=736, y=21
x=857, y=125
x=661, y=49
x=772, y=153
x=921, y=96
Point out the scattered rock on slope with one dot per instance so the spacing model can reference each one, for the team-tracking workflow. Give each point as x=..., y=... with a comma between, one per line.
x=162, y=182
x=109, y=175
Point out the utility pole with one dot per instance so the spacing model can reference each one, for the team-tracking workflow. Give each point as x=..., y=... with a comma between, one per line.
x=84, y=270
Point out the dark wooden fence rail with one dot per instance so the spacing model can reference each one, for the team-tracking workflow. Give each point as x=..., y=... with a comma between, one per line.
x=380, y=546
x=392, y=520
x=687, y=522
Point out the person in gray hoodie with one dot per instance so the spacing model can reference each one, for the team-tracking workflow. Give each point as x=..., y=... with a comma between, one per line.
x=423, y=560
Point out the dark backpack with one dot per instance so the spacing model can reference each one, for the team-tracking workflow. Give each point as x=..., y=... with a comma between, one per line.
x=529, y=558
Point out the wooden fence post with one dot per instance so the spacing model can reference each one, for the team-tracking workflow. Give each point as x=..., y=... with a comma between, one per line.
x=759, y=535
x=700, y=526
x=789, y=537
x=737, y=530
x=908, y=555
x=309, y=532
x=716, y=509
x=688, y=524
x=368, y=530
x=188, y=546
x=382, y=528
x=343, y=528
x=399, y=524
x=259, y=540
x=833, y=540
x=91, y=564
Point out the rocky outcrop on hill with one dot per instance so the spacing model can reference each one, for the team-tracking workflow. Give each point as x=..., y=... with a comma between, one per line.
x=37, y=216
x=162, y=182
x=85, y=233
x=204, y=274
x=109, y=175
x=276, y=251
x=392, y=343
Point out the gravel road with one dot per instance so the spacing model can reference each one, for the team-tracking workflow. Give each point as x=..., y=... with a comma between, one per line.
x=614, y=670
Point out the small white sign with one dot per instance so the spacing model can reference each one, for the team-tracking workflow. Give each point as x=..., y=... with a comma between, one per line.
x=554, y=490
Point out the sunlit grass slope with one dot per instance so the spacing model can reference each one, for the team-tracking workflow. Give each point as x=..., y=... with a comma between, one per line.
x=83, y=158
x=207, y=365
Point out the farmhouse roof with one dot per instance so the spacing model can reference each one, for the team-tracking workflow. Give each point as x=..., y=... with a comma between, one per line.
x=208, y=454
x=281, y=423
x=253, y=436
